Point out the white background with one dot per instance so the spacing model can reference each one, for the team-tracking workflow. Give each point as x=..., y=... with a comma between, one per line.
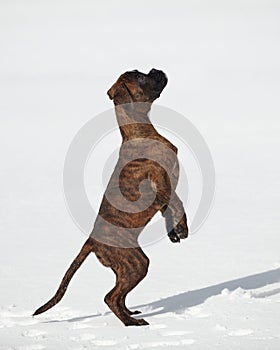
x=58, y=59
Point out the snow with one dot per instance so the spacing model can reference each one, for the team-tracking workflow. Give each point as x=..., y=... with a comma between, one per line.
x=220, y=289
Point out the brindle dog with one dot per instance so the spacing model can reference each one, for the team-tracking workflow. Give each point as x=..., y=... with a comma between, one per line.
x=147, y=168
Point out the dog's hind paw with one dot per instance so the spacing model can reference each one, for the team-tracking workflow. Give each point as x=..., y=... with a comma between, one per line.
x=136, y=322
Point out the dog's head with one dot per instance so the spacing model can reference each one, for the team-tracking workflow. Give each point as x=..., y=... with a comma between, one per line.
x=135, y=86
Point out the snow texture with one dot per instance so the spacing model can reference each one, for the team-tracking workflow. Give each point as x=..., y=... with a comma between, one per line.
x=220, y=289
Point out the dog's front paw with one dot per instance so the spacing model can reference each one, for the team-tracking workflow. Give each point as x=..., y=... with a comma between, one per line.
x=182, y=231
x=174, y=238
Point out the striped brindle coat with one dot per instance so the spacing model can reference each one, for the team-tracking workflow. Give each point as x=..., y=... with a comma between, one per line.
x=143, y=183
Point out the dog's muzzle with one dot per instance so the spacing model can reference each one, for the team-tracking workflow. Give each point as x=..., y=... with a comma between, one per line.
x=158, y=76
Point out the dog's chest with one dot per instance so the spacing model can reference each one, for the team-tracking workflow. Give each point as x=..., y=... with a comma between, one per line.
x=157, y=148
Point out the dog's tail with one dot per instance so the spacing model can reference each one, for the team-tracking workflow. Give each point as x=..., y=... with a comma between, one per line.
x=85, y=251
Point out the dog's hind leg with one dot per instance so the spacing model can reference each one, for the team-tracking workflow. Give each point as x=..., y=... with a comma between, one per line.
x=132, y=268
x=141, y=273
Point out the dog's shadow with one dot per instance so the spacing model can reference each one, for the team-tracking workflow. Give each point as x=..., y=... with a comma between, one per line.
x=178, y=303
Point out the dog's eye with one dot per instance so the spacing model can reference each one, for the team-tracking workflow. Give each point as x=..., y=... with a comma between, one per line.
x=141, y=78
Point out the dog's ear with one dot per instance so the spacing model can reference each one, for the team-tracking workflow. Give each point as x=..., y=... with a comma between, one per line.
x=111, y=92
x=125, y=91
x=131, y=88
x=120, y=93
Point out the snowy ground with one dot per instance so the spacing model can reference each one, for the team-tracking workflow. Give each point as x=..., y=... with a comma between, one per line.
x=221, y=288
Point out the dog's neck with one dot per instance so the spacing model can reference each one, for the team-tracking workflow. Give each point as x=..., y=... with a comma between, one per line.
x=134, y=122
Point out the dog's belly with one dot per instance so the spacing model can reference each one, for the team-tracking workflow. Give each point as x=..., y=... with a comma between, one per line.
x=121, y=228
x=130, y=216
x=129, y=202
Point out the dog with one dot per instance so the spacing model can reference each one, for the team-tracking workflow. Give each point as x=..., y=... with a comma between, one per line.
x=143, y=183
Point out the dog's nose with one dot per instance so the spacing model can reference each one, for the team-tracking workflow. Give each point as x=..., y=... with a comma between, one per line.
x=157, y=74
x=154, y=72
